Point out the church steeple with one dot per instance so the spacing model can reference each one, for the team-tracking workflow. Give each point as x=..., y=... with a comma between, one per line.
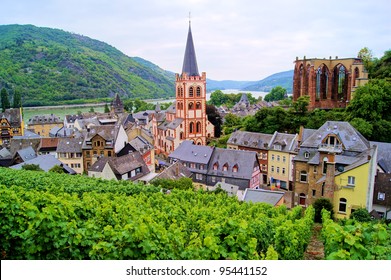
x=190, y=61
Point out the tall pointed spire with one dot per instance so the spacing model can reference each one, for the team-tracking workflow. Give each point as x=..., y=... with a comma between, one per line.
x=190, y=61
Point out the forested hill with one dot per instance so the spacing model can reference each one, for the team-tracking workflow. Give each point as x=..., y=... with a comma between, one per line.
x=49, y=65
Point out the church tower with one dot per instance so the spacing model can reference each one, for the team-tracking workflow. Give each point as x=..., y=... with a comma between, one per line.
x=190, y=88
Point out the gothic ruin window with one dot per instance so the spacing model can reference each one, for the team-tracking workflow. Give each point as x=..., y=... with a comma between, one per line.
x=198, y=91
x=191, y=92
x=339, y=90
x=356, y=75
x=301, y=71
x=322, y=79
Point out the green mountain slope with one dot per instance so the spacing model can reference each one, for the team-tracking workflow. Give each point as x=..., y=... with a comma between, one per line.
x=283, y=79
x=49, y=65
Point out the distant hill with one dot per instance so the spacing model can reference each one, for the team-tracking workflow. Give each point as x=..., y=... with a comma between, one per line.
x=213, y=85
x=48, y=66
x=283, y=79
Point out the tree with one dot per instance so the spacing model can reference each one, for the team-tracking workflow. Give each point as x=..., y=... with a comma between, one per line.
x=218, y=98
x=17, y=100
x=92, y=110
x=361, y=215
x=371, y=102
x=32, y=167
x=107, y=109
x=5, y=103
x=215, y=118
x=57, y=169
x=382, y=67
x=367, y=58
x=322, y=203
x=301, y=104
x=277, y=93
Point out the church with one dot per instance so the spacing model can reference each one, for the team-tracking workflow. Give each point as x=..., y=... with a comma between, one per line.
x=186, y=118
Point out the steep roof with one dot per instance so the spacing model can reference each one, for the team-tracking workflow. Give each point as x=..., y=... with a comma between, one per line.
x=174, y=171
x=45, y=162
x=13, y=116
x=27, y=153
x=70, y=145
x=383, y=155
x=188, y=152
x=250, y=139
x=243, y=160
x=351, y=139
x=287, y=141
x=44, y=119
x=264, y=196
x=190, y=61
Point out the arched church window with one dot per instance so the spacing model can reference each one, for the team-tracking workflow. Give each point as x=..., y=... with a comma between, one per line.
x=198, y=91
x=191, y=127
x=191, y=106
x=191, y=92
x=198, y=127
x=198, y=105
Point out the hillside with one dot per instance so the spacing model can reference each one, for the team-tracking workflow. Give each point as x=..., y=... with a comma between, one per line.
x=49, y=65
x=283, y=79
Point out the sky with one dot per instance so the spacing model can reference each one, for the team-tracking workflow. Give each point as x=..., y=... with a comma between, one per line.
x=239, y=40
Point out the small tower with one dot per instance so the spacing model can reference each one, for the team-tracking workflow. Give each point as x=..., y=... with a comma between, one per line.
x=117, y=107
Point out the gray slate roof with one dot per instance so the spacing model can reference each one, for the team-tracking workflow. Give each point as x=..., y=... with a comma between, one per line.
x=70, y=145
x=140, y=144
x=44, y=119
x=188, y=152
x=174, y=171
x=27, y=154
x=263, y=196
x=244, y=160
x=190, y=61
x=5, y=153
x=350, y=137
x=250, y=139
x=383, y=155
x=13, y=116
x=287, y=141
x=45, y=162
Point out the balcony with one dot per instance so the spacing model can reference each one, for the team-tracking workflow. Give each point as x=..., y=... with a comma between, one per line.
x=324, y=147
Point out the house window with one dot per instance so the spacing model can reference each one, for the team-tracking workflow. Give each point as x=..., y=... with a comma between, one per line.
x=264, y=155
x=109, y=153
x=278, y=158
x=324, y=165
x=199, y=176
x=201, y=167
x=313, y=193
x=342, y=205
x=278, y=169
x=264, y=167
x=303, y=176
x=306, y=155
x=284, y=159
x=351, y=180
x=192, y=165
x=272, y=157
x=381, y=196
x=322, y=191
x=277, y=147
x=272, y=169
x=213, y=179
x=283, y=170
x=315, y=168
x=302, y=198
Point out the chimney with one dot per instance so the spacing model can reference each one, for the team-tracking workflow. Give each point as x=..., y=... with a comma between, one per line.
x=177, y=169
x=330, y=177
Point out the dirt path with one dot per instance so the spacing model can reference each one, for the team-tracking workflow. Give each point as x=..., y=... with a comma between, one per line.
x=315, y=249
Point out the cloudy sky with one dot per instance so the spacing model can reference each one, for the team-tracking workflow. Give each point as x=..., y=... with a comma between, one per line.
x=234, y=39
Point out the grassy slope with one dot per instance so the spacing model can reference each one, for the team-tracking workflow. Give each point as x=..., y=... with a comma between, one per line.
x=50, y=65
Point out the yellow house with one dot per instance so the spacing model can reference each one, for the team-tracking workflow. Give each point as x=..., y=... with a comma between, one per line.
x=11, y=124
x=42, y=125
x=281, y=148
x=355, y=185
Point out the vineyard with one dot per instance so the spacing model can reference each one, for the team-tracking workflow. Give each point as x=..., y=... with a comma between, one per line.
x=51, y=216
x=351, y=240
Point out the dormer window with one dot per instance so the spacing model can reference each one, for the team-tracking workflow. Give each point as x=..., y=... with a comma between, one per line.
x=332, y=140
x=235, y=168
x=225, y=167
x=215, y=166
x=277, y=147
x=306, y=155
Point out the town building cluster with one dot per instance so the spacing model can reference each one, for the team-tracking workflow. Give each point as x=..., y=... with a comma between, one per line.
x=334, y=161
